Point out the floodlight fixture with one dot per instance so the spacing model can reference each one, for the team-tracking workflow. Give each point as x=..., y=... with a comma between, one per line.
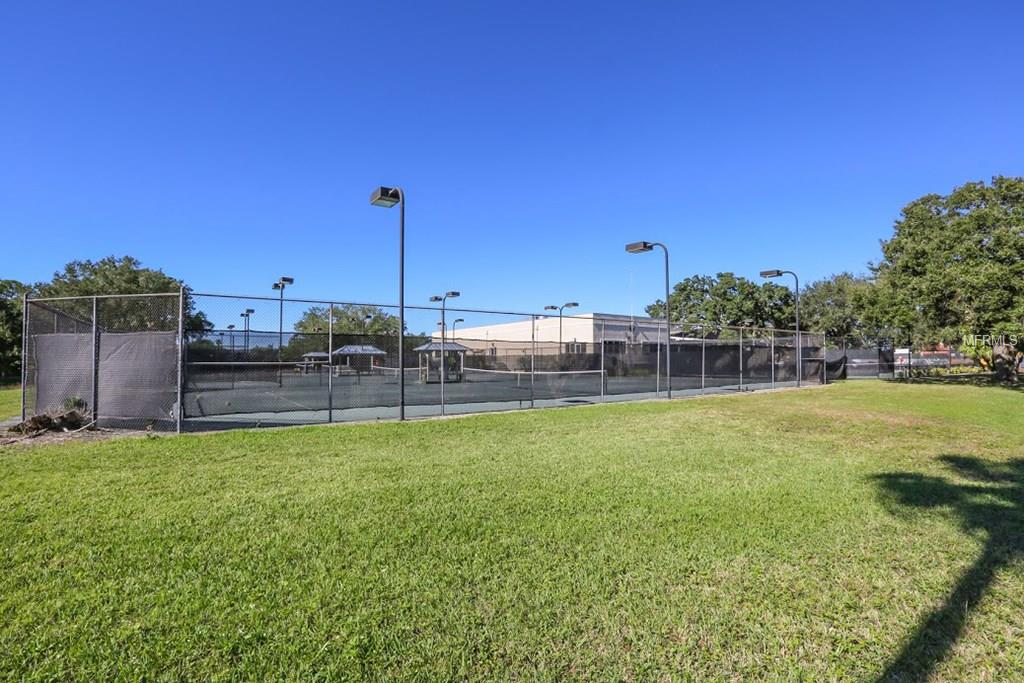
x=386, y=196
x=639, y=247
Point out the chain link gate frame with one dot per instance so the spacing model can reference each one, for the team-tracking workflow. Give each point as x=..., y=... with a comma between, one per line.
x=112, y=357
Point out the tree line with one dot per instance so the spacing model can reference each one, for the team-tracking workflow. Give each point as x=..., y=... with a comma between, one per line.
x=953, y=272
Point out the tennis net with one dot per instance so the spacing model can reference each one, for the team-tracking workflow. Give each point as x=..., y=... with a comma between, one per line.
x=209, y=375
x=543, y=383
x=388, y=373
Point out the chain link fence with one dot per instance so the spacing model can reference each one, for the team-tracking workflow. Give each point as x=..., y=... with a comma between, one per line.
x=114, y=359
x=193, y=362
x=890, y=359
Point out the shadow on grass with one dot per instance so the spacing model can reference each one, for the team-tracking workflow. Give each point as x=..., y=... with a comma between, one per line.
x=990, y=501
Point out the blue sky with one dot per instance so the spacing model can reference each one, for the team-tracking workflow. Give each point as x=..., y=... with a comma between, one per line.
x=229, y=143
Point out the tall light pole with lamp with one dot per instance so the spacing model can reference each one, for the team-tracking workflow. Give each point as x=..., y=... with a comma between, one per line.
x=245, y=316
x=444, y=352
x=363, y=323
x=231, y=338
x=799, y=346
x=388, y=197
x=639, y=248
x=281, y=283
x=571, y=304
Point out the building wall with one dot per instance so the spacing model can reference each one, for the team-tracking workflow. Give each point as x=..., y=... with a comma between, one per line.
x=587, y=329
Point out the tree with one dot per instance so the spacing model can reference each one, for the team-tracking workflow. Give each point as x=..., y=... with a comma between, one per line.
x=354, y=324
x=110, y=275
x=728, y=300
x=953, y=267
x=843, y=306
x=11, y=292
x=125, y=275
x=349, y=319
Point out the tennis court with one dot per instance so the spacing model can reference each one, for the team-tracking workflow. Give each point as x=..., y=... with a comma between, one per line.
x=177, y=362
x=229, y=397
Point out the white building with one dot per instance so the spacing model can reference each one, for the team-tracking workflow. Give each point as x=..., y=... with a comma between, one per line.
x=581, y=333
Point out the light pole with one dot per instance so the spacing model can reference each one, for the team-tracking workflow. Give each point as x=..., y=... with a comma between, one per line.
x=571, y=304
x=454, y=323
x=799, y=347
x=231, y=337
x=281, y=283
x=639, y=248
x=245, y=316
x=362, y=323
x=388, y=197
x=444, y=353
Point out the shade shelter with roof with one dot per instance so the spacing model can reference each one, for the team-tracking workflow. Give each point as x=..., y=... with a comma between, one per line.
x=357, y=357
x=430, y=361
x=312, y=361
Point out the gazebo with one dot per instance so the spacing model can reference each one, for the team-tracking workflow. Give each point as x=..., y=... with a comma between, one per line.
x=430, y=363
x=312, y=361
x=358, y=357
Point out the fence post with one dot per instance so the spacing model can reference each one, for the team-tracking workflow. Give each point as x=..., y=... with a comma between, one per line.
x=741, y=359
x=533, y=353
x=878, y=361
x=772, y=331
x=24, y=356
x=703, y=342
x=181, y=359
x=95, y=362
x=824, y=359
x=330, y=363
x=657, y=362
x=604, y=377
x=909, y=360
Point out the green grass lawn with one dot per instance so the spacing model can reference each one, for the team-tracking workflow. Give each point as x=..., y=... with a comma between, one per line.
x=858, y=531
x=10, y=402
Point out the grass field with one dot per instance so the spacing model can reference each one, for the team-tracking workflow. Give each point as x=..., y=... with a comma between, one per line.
x=10, y=402
x=858, y=531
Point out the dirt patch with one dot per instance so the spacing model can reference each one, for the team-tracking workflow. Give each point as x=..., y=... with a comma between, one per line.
x=69, y=421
